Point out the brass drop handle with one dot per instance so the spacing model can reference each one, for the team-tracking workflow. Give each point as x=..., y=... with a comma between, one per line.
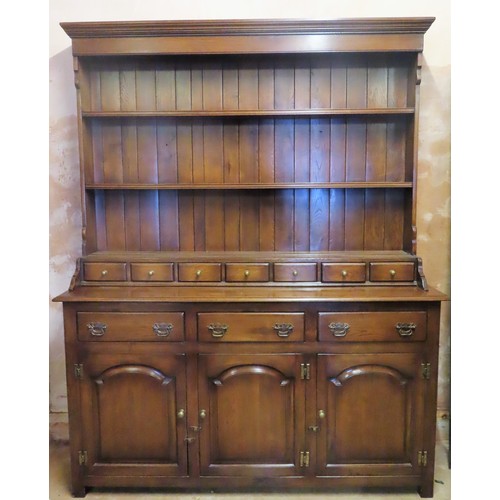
x=181, y=414
x=198, y=273
x=96, y=329
x=405, y=329
x=150, y=273
x=203, y=414
x=283, y=329
x=104, y=272
x=218, y=330
x=163, y=329
x=339, y=329
x=392, y=272
x=321, y=414
x=314, y=428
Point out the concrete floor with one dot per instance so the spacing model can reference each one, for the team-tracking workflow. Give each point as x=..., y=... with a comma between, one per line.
x=60, y=476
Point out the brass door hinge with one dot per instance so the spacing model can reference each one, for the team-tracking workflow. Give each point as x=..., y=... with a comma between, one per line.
x=426, y=371
x=304, y=459
x=305, y=371
x=82, y=458
x=78, y=371
x=422, y=458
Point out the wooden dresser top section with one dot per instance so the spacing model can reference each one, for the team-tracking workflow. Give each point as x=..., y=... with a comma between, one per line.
x=248, y=36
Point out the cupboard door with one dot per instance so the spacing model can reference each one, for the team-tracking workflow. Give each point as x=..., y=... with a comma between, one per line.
x=133, y=409
x=253, y=421
x=370, y=413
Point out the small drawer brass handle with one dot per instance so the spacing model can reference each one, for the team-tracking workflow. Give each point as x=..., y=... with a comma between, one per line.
x=392, y=272
x=163, y=329
x=344, y=273
x=295, y=272
x=104, y=272
x=198, y=273
x=339, y=329
x=218, y=330
x=97, y=329
x=247, y=273
x=406, y=329
x=283, y=329
x=150, y=273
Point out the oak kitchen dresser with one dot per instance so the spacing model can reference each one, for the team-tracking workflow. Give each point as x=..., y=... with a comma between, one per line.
x=249, y=310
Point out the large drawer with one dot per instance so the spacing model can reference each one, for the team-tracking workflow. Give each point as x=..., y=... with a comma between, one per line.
x=372, y=326
x=251, y=327
x=106, y=326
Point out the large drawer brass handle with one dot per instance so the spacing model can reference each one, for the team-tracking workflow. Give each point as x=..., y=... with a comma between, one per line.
x=97, y=329
x=218, y=330
x=283, y=329
x=163, y=329
x=405, y=329
x=339, y=329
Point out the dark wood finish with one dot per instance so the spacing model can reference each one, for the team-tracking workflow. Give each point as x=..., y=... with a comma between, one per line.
x=392, y=271
x=251, y=327
x=343, y=272
x=372, y=327
x=247, y=189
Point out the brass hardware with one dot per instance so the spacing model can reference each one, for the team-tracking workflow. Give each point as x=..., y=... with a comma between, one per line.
x=181, y=413
x=295, y=272
x=78, y=371
x=283, y=329
x=150, y=273
x=218, y=330
x=314, y=428
x=104, y=272
x=344, y=273
x=82, y=458
x=392, y=273
x=189, y=439
x=195, y=428
x=426, y=371
x=405, y=329
x=96, y=329
x=304, y=459
x=305, y=371
x=339, y=329
x=203, y=413
x=163, y=329
x=247, y=273
x=198, y=273
x=422, y=458
x=321, y=414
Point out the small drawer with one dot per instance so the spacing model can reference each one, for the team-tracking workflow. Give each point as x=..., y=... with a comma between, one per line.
x=251, y=327
x=392, y=271
x=200, y=272
x=372, y=326
x=116, y=327
x=338, y=272
x=105, y=271
x=152, y=272
x=247, y=272
x=298, y=271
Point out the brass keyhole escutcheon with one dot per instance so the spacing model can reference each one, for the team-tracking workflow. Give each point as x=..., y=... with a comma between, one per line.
x=321, y=414
x=181, y=413
x=203, y=414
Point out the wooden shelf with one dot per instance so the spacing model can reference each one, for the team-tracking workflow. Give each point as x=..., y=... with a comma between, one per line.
x=250, y=113
x=255, y=186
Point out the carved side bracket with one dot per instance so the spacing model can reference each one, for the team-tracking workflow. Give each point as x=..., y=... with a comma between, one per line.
x=421, y=279
x=75, y=279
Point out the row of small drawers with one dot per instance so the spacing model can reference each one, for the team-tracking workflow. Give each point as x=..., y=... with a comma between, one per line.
x=251, y=272
x=253, y=327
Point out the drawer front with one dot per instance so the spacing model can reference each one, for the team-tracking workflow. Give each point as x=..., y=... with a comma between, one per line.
x=392, y=271
x=299, y=271
x=247, y=272
x=105, y=271
x=115, y=327
x=372, y=326
x=152, y=272
x=251, y=327
x=200, y=272
x=343, y=273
